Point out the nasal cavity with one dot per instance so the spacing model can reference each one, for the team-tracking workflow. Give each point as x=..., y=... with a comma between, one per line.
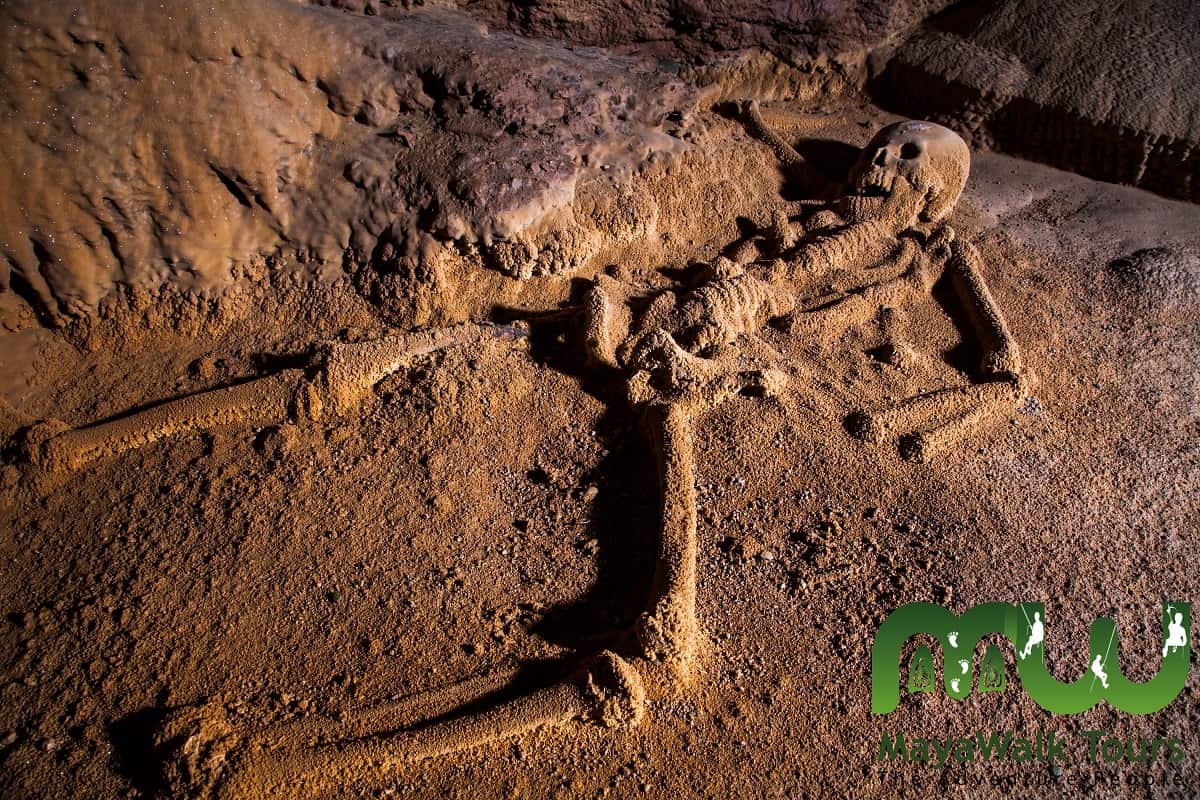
x=880, y=158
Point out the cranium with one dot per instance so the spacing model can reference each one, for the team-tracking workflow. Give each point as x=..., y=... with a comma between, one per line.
x=910, y=157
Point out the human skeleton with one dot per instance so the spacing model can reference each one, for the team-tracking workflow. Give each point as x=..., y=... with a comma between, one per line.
x=882, y=244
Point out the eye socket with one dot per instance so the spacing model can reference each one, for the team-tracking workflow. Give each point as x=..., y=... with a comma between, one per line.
x=910, y=150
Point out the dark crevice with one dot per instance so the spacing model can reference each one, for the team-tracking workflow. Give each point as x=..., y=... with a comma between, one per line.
x=21, y=287
x=111, y=237
x=80, y=74
x=232, y=187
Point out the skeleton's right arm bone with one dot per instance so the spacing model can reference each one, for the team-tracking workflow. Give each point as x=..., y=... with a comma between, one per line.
x=855, y=247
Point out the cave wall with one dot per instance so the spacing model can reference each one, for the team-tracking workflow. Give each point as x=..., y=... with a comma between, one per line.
x=1105, y=89
x=146, y=143
x=168, y=143
x=796, y=31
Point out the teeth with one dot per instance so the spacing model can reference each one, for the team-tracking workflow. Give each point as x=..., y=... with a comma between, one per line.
x=873, y=190
x=874, y=185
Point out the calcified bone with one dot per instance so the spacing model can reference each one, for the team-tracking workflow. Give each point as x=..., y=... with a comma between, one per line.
x=206, y=757
x=259, y=402
x=680, y=356
x=904, y=185
x=668, y=631
x=729, y=304
x=908, y=177
x=930, y=421
x=671, y=387
x=899, y=282
x=909, y=167
x=607, y=320
x=853, y=247
x=784, y=152
x=344, y=376
x=1001, y=356
x=722, y=310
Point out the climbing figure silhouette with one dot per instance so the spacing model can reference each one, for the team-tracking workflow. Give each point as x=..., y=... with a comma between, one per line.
x=1176, y=635
x=1037, y=635
x=1098, y=670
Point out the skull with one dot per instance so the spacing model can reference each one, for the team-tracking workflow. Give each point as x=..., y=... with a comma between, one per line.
x=919, y=166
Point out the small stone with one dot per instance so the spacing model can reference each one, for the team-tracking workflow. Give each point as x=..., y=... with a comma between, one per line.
x=277, y=441
x=747, y=548
x=590, y=494
x=204, y=368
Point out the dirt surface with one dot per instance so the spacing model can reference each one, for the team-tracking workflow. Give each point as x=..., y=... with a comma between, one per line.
x=494, y=508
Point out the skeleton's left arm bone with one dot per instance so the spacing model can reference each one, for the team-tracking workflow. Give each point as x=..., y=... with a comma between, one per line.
x=856, y=307
x=786, y=154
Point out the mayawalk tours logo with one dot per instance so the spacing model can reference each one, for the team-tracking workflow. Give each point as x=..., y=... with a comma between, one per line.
x=1024, y=625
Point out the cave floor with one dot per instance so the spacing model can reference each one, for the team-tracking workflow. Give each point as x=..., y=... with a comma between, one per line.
x=495, y=507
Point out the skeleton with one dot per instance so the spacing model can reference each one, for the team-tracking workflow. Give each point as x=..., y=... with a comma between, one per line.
x=881, y=244
x=889, y=221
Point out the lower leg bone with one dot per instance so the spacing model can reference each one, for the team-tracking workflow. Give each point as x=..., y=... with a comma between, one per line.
x=347, y=376
x=607, y=691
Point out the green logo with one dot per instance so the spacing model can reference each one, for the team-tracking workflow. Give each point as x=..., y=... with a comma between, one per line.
x=1024, y=627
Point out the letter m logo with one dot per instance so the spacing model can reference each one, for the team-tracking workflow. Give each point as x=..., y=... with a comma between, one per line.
x=959, y=635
